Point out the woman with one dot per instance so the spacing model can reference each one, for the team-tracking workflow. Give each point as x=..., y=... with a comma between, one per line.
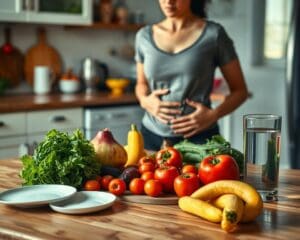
x=176, y=60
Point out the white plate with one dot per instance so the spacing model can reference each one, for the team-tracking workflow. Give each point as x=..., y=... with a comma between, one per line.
x=84, y=202
x=36, y=195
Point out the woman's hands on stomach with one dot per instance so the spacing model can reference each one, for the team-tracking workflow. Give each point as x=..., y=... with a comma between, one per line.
x=164, y=111
x=195, y=122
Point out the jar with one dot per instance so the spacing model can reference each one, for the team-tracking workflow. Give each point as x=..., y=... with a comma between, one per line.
x=122, y=14
x=106, y=11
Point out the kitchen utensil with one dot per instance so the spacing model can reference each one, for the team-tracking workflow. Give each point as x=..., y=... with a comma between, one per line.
x=117, y=85
x=162, y=200
x=36, y=195
x=43, y=80
x=84, y=202
x=69, y=86
x=42, y=54
x=11, y=61
x=93, y=74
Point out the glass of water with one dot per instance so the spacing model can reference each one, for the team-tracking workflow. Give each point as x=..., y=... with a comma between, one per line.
x=262, y=152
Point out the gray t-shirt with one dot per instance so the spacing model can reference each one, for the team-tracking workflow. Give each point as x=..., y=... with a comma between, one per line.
x=188, y=73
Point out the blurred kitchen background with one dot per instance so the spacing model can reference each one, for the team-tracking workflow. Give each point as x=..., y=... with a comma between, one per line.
x=258, y=27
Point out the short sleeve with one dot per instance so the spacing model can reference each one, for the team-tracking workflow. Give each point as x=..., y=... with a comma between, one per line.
x=225, y=48
x=139, y=55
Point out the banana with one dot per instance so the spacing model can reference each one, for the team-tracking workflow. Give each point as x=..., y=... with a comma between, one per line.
x=253, y=202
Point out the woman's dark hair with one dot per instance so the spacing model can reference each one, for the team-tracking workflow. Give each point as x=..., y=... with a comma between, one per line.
x=198, y=7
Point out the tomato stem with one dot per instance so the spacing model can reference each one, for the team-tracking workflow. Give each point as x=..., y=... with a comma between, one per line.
x=165, y=156
x=215, y=161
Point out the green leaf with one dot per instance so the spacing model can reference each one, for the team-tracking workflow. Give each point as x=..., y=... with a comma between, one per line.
x=61, y=159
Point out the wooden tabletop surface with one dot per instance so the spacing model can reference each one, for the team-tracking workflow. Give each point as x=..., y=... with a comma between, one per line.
x=279, y=220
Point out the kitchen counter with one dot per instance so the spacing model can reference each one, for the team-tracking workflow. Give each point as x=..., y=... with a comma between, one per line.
x=279, y=220
x=30, y=102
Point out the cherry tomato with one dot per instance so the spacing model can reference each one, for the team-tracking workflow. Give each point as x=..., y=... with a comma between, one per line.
x=117, y=186
x=147, y=175
x=166, y=175
x=153, y=188
x=105, y=180
x=146, y=159
x=169, y=156
x=146, y=167
x=98, y=178
x=189, y=168
x=136, y=186
x=219, y=167
x=185, y=184
x=92, y=185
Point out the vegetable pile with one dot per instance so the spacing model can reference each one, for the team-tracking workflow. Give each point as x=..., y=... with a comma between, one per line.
x=194, y=153
x=61, y=159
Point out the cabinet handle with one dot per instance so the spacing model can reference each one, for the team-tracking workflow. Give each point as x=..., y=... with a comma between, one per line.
x=119, y=115
x=2, y=124
x=57, y=119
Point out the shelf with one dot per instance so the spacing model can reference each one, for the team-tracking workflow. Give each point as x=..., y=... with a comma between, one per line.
x=109, y=26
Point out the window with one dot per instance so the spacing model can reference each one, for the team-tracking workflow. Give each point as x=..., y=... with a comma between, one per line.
x=270, y=20
x=277, y=19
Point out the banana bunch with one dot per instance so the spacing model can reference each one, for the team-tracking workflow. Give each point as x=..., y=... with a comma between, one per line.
x=226, y=201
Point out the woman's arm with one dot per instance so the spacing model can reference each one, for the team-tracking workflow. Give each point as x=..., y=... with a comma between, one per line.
x=164, y=111
x=238, y=90
x=203, y=117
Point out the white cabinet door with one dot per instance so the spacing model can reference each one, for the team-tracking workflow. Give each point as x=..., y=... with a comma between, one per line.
x=62, y=12
x=12, y=134
x=76, y=12
x=12, y=124
x=64, y=119
x=12, y=10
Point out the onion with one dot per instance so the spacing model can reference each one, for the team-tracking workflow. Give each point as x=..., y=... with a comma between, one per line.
x=108, y=151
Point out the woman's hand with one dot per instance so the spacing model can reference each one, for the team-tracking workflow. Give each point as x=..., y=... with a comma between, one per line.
x=191, y=124
x=164, y=111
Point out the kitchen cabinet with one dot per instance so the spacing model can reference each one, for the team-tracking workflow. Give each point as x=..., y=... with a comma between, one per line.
x=12, y=133
x=64, y=12
x=21, y=132
x=117, y=119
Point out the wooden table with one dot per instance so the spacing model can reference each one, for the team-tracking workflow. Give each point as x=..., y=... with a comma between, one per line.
x=279, y=220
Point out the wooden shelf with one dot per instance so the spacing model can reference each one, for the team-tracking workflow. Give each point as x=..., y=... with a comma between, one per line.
x=109, y=26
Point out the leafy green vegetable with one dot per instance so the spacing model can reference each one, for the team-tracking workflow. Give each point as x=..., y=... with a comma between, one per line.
x=61, y=159
x=194, y=153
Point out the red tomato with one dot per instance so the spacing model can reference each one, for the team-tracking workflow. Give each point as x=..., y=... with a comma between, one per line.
x=98, y=178
x=189, y=168
x=146, y=167
x=136, y=186
x=92, y=185
x=170, y=157
x=185, y=184
x=117, y=186
x=219, y=167
x=105, y=180
x=147, y=176
x=166, y=175
x=153, y=188
x=146, y=159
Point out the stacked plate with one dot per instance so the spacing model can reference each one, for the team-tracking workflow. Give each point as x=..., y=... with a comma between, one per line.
x=61, y=198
